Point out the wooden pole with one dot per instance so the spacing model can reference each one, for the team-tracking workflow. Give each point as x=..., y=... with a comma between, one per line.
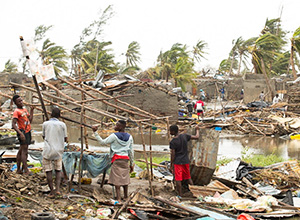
x=124, y=103
x=110, y=115
x=191, y=211
x=75, y=112
x=118, y=212
x=81, y=140
x=221, y=102
x=146, y=159
x=255, y=127
x=168, y=129
x=150, y=148
x=106, y=102
x=37, y=89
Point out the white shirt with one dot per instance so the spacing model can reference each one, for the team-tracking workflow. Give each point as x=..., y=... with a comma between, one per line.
x=54, y=133
x=276, y=99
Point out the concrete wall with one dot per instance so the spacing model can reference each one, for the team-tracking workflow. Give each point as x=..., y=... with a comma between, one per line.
x=254, y=84
x=152, y=100
x=20, y=78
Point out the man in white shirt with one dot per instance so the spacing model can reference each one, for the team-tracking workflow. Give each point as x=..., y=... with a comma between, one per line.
x=55, y=136
x=276, y=99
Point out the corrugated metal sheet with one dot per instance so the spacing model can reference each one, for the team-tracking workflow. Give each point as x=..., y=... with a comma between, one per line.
x=203, y=156
x=113, y=83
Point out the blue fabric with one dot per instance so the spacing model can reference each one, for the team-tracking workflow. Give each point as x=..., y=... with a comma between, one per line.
x=95, y=164
x=122, y=136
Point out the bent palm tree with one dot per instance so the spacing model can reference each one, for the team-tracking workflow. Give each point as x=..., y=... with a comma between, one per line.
x=10, y=67
x=198, y=50
x=133, y=54
x=54, y=54
x=295, y=47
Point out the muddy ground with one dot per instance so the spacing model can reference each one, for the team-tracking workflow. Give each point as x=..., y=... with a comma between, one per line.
x=21, y=195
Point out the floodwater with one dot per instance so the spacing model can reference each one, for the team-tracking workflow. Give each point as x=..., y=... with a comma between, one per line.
x=229, y=146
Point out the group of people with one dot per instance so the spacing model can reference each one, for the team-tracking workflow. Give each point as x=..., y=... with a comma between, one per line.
x=276, y=98
x=54, y=134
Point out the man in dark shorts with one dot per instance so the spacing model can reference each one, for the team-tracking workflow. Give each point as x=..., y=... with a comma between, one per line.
x=121, y=152
x=21, y=123
x=180, y=163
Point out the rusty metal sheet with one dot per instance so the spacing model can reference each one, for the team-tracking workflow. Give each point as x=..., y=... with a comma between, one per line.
x=203, y=156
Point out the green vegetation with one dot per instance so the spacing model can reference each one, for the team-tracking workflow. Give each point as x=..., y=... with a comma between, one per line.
x=156, y=160
x=10, y=67
x=262, y=160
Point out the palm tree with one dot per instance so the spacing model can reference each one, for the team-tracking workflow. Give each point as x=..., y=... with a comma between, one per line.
x=242, y=48
x=224, y=66
x=264, y=49
x=10, y=67
x=183, y=72
x=295, y=47
x=57, y=55
x=198, y=50
x=97, y=57
x=132, y=54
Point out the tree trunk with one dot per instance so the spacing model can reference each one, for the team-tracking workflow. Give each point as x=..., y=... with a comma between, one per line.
x=292, y=62
x=266, y=77
x=240, y=63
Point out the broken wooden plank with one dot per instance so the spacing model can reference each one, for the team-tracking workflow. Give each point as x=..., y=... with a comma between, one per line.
x=191, y=211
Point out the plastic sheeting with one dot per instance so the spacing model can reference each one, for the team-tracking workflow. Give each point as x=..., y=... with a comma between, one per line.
x=95, y=164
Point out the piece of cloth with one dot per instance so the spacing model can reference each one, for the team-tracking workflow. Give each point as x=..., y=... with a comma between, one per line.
x=95, y=163
x=117, y=145
x=182, y=172
x=119, y=173
x=22, y=116
x=54, y=133
x=117, y=157
x=27, y=137
x=179, y=144
x=47, y=164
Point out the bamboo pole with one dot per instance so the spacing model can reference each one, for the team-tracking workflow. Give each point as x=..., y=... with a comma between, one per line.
x=124, y=103
x=255, y=127
x=146, y=159
x=107, y=103
x=58, y=91
x=72, y=111
x=101, y=99
x=150, y=149
x=68, y=101
x=221, y=102
x=81, y=140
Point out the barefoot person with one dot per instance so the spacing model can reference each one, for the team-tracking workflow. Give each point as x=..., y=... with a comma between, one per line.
x=21, y=123
x=120, y=153
x=180, y=163
x=55, y=136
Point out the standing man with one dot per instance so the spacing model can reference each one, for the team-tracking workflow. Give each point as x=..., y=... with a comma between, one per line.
x=222, y=90
x=120, y=153
x=199, y=107
x=180, y=163
x=21, y=123
x=262, y=96
x=55, y=136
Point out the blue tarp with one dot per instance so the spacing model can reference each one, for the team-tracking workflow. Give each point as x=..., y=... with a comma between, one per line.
x=95, y=164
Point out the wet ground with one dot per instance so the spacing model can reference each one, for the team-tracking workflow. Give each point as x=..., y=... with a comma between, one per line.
x=230, y=146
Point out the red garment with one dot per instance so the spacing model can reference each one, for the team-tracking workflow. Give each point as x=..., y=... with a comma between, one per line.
x=200, y=102
x=182, y=172
x=117, y=157
x=22, y=117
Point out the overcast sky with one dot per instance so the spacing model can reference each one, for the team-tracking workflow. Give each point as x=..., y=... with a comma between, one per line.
x=156, y=25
